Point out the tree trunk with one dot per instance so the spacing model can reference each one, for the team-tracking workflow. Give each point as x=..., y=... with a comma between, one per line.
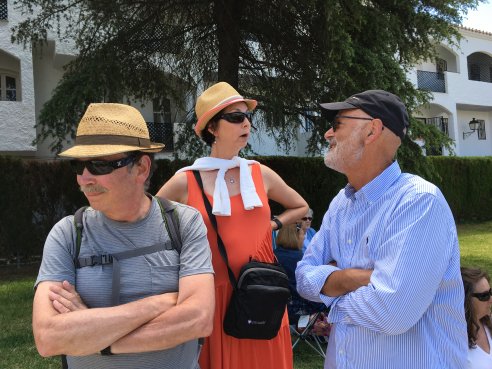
x=227, y=15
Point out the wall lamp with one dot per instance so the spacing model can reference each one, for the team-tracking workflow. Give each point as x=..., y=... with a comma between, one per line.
x=474, y=126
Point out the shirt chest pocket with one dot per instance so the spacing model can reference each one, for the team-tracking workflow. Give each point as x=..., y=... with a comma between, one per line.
x=164, y=278
x=363, y=255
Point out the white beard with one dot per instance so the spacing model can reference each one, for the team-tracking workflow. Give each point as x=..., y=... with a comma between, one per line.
x=344, y=155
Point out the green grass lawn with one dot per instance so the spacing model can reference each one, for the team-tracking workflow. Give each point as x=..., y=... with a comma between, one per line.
x=476, y=245
x=17, y=349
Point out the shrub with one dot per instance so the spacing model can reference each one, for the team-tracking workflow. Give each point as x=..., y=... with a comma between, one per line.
x=34, y=195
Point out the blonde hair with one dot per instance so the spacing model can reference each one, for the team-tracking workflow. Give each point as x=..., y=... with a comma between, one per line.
x=288, y=237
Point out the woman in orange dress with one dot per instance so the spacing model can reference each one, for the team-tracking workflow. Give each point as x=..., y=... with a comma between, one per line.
x=239, y=190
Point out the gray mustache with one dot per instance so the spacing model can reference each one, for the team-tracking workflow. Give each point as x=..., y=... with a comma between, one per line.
x=93, y=188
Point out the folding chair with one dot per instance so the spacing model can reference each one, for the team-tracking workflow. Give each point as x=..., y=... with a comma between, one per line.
x=306, y=323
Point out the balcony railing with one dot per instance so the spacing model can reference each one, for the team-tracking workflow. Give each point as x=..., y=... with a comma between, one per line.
x=3, y=10
x=163, y=133
x=441, y=124
x=431, y=81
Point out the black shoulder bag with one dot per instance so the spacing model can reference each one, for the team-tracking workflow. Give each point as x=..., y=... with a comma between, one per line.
x=259, y=296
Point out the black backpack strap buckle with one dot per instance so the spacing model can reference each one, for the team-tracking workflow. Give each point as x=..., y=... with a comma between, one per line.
x=92, y=260
x=105, y=259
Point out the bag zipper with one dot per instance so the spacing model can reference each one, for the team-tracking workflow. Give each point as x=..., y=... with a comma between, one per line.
x=253, y=269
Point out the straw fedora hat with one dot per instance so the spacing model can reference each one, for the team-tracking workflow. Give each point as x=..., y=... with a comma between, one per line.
x=107, y=129
x=213, y=100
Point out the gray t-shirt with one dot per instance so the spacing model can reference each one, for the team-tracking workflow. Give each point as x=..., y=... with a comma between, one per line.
x=141, y=276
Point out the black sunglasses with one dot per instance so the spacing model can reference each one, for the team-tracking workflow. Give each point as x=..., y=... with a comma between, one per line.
x=237, y=117
x=483, y=296
x=307, y=218
x=336, y=122
x=101, y=167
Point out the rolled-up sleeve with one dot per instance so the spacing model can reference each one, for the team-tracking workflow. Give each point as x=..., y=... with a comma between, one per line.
x=313, y=270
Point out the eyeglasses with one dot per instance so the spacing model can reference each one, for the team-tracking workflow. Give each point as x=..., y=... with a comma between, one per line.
x=101, y=167
x=307, y=218
x=336, y=122
x=483, y=296
x=236, y=117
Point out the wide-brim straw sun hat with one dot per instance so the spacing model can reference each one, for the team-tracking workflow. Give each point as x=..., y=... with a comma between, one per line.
x=213, y=100
x=107, y=129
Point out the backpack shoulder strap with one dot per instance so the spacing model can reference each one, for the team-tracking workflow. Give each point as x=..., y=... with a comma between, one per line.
x=169, y=213
x=79, y=225
x=64, y=361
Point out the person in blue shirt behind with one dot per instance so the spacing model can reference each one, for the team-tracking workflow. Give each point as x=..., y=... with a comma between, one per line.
x=305, y=224
x=386, y=258
x=288, y=252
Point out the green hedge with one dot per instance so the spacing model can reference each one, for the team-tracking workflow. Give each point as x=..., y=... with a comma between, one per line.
x=35, y=195
x=467, y=186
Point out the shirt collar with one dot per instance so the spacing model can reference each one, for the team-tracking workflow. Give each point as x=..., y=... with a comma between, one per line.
x=378, y=186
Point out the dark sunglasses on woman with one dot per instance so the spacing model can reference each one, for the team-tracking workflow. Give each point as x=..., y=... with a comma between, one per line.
x=483, y=296
x=307, y=218
x=101, y=167
x=237, y=117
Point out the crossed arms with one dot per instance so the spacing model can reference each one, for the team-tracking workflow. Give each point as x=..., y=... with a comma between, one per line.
x=410, y=261
x=343, y=281
x=62, y=324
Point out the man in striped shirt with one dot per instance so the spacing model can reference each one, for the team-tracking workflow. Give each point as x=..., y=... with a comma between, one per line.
x=386, y=259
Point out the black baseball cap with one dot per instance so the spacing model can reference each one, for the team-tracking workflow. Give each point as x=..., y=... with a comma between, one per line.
x=378, y=104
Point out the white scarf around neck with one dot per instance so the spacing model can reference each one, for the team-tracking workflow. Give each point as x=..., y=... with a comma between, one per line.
x=222, y=202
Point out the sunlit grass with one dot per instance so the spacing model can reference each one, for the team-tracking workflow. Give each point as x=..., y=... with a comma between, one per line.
x=476, y=245
x=17, y=348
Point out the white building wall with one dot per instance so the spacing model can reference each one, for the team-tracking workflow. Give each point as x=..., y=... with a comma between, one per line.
x=470, y=145
x=263, y=144
x=47, y=73
x=464, y=99
x=17, y=118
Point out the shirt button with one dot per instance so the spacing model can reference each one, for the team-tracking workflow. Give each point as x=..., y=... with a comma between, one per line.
x=349, y=242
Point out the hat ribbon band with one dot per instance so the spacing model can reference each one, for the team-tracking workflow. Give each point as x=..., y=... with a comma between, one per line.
x=112, y=140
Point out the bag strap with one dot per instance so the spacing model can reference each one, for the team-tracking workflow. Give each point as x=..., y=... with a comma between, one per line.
x=77, y=222
x=169, y=214
x=213, y=220
x=64, y=361
x=79, y=225
x=168, y=211
x=171, y=221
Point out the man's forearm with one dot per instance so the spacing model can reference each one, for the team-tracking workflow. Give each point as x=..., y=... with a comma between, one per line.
x=191, y=318
x=88, y=331
x=180, y=324
x=344, y=281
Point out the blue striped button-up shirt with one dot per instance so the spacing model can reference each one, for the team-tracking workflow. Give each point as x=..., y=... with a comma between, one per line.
x=411, y=314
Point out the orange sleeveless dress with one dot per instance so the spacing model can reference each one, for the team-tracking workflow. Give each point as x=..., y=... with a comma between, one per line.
x=246, y=233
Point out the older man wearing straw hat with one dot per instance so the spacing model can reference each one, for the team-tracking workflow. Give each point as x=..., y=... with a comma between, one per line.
x=130, y=283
